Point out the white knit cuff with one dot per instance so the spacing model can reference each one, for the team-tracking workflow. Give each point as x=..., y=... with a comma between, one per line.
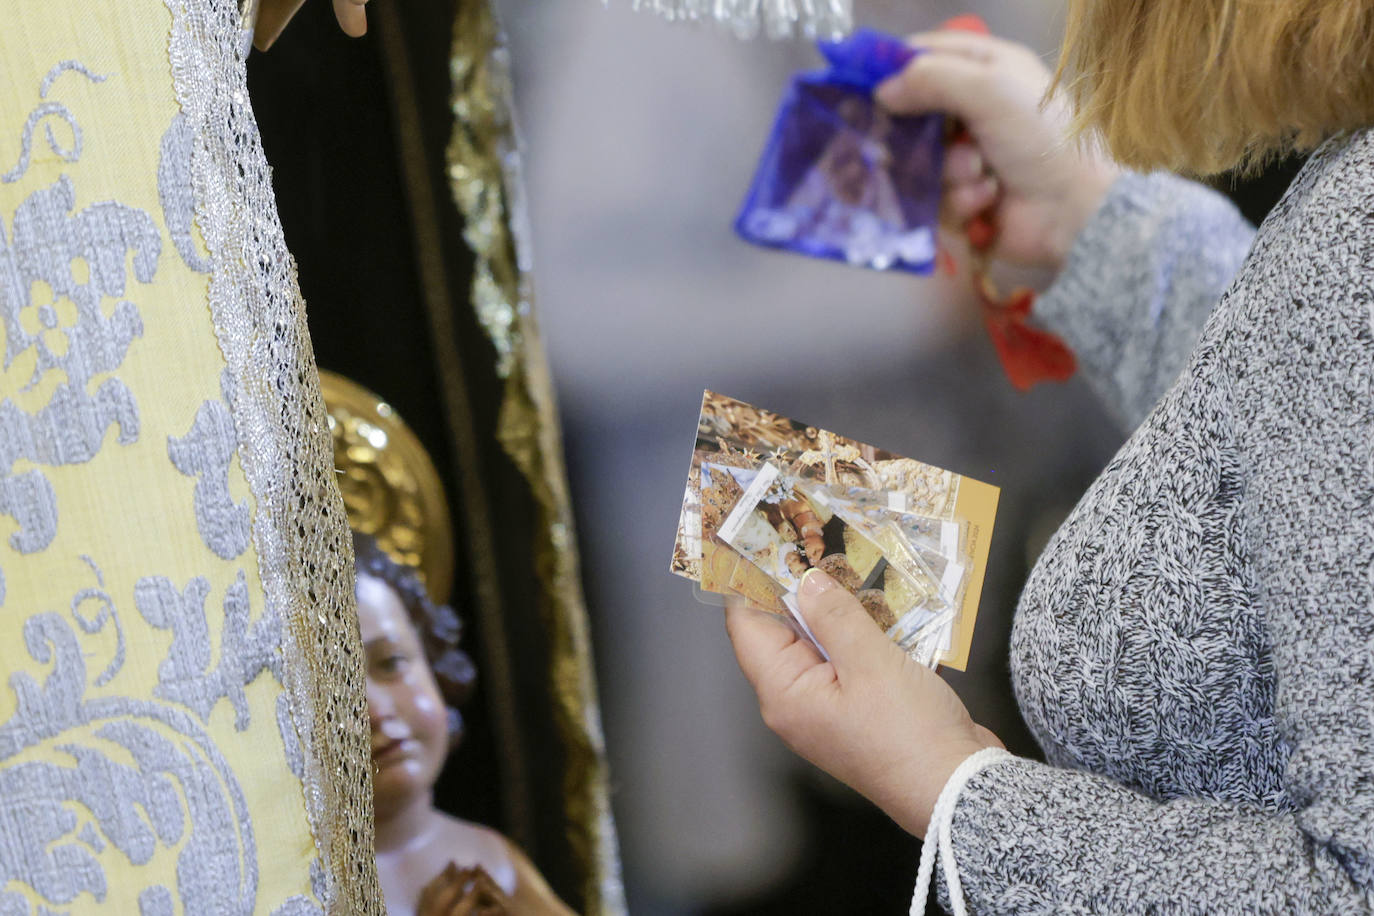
x=937, y=833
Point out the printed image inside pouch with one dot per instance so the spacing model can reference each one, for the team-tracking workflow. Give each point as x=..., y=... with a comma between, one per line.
x=686, y=560
x=941, y=544
x=717, y=488
x=937, y=546
x=950, y=565
x=733, y=433
x=723, y=571
x=930, y=534
x=778, y=528
x=946, y=518
x=842, y=179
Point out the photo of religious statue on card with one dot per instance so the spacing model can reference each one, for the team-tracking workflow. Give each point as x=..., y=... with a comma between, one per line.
x=930, y=525
x=780, y=527
x=933, y=545
x=842, y=179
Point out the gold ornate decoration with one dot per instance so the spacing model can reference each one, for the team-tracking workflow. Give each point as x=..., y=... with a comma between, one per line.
x=390, y=487
x=484, y=177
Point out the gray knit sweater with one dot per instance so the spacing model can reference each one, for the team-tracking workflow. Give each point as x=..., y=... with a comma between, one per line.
x=1195, y=648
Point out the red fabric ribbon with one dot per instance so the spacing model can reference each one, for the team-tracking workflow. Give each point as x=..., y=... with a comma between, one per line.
x=969, y=22
x=1028, y=354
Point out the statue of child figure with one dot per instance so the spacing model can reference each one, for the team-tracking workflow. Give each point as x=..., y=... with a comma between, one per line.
x=430, y=863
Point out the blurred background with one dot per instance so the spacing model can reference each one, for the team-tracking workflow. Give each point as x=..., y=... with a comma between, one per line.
x=641, y=138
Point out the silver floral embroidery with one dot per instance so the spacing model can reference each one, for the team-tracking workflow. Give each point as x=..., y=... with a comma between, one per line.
x=298, y=906
x=174, y=190
x=106, y=612
x=122, y=775
x=66, y=66
x=205, y=453
x=50, y=110
x=77, y=260
x=90, y=837
x=155, y=901
x=49, y=248
x=186, y=676
x=177, y=777
x=301, y=905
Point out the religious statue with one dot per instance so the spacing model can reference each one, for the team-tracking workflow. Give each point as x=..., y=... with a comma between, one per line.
x=430, y=863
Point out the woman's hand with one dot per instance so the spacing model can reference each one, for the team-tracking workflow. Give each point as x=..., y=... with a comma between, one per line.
x=273, y=15
x=871, y=717
x=1041, y=186
x=463, y=892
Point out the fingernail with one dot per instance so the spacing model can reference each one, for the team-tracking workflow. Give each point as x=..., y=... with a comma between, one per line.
x=814, y=582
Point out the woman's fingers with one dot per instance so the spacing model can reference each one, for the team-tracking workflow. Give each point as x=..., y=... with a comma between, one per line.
x=793, y=666
x=760, y=639
x=486, y=885
x=482, y=894
x=840, y=624
x=948, y=83
x=461, y=892
x=966, y=201
x=963, y=164
x=273, y=15
x=352, y=17
x=954, y=41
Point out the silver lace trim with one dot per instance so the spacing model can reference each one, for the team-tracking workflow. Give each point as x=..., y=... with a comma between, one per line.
x=299, y=528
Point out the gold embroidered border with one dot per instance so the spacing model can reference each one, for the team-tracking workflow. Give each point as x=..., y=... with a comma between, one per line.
x=483, y=171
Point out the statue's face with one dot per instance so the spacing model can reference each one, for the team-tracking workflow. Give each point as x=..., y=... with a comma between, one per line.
x=406, y=711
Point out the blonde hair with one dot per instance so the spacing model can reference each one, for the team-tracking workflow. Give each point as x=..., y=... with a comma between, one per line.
x=1203, y=86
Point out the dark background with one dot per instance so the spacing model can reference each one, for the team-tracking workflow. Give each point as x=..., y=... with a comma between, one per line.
x=325, y=107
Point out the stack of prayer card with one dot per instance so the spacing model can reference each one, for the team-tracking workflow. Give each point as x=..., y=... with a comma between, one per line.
x=769, y=498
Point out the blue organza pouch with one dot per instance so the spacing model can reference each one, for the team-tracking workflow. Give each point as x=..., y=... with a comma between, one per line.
x=842, y=179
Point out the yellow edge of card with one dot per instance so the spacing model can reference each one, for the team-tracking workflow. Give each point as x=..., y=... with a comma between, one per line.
x=977, y=503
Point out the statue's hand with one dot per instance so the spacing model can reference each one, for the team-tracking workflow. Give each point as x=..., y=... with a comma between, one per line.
x=273, y=15
x=463, y=892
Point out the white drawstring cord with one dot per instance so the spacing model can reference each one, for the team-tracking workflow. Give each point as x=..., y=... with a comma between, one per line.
x=937, y=834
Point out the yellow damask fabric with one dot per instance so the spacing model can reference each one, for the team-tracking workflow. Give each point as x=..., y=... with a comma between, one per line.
x=182, y=729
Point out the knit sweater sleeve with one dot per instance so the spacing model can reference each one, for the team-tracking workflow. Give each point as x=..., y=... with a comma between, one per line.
x=1140, y=281
x=1032, y=838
